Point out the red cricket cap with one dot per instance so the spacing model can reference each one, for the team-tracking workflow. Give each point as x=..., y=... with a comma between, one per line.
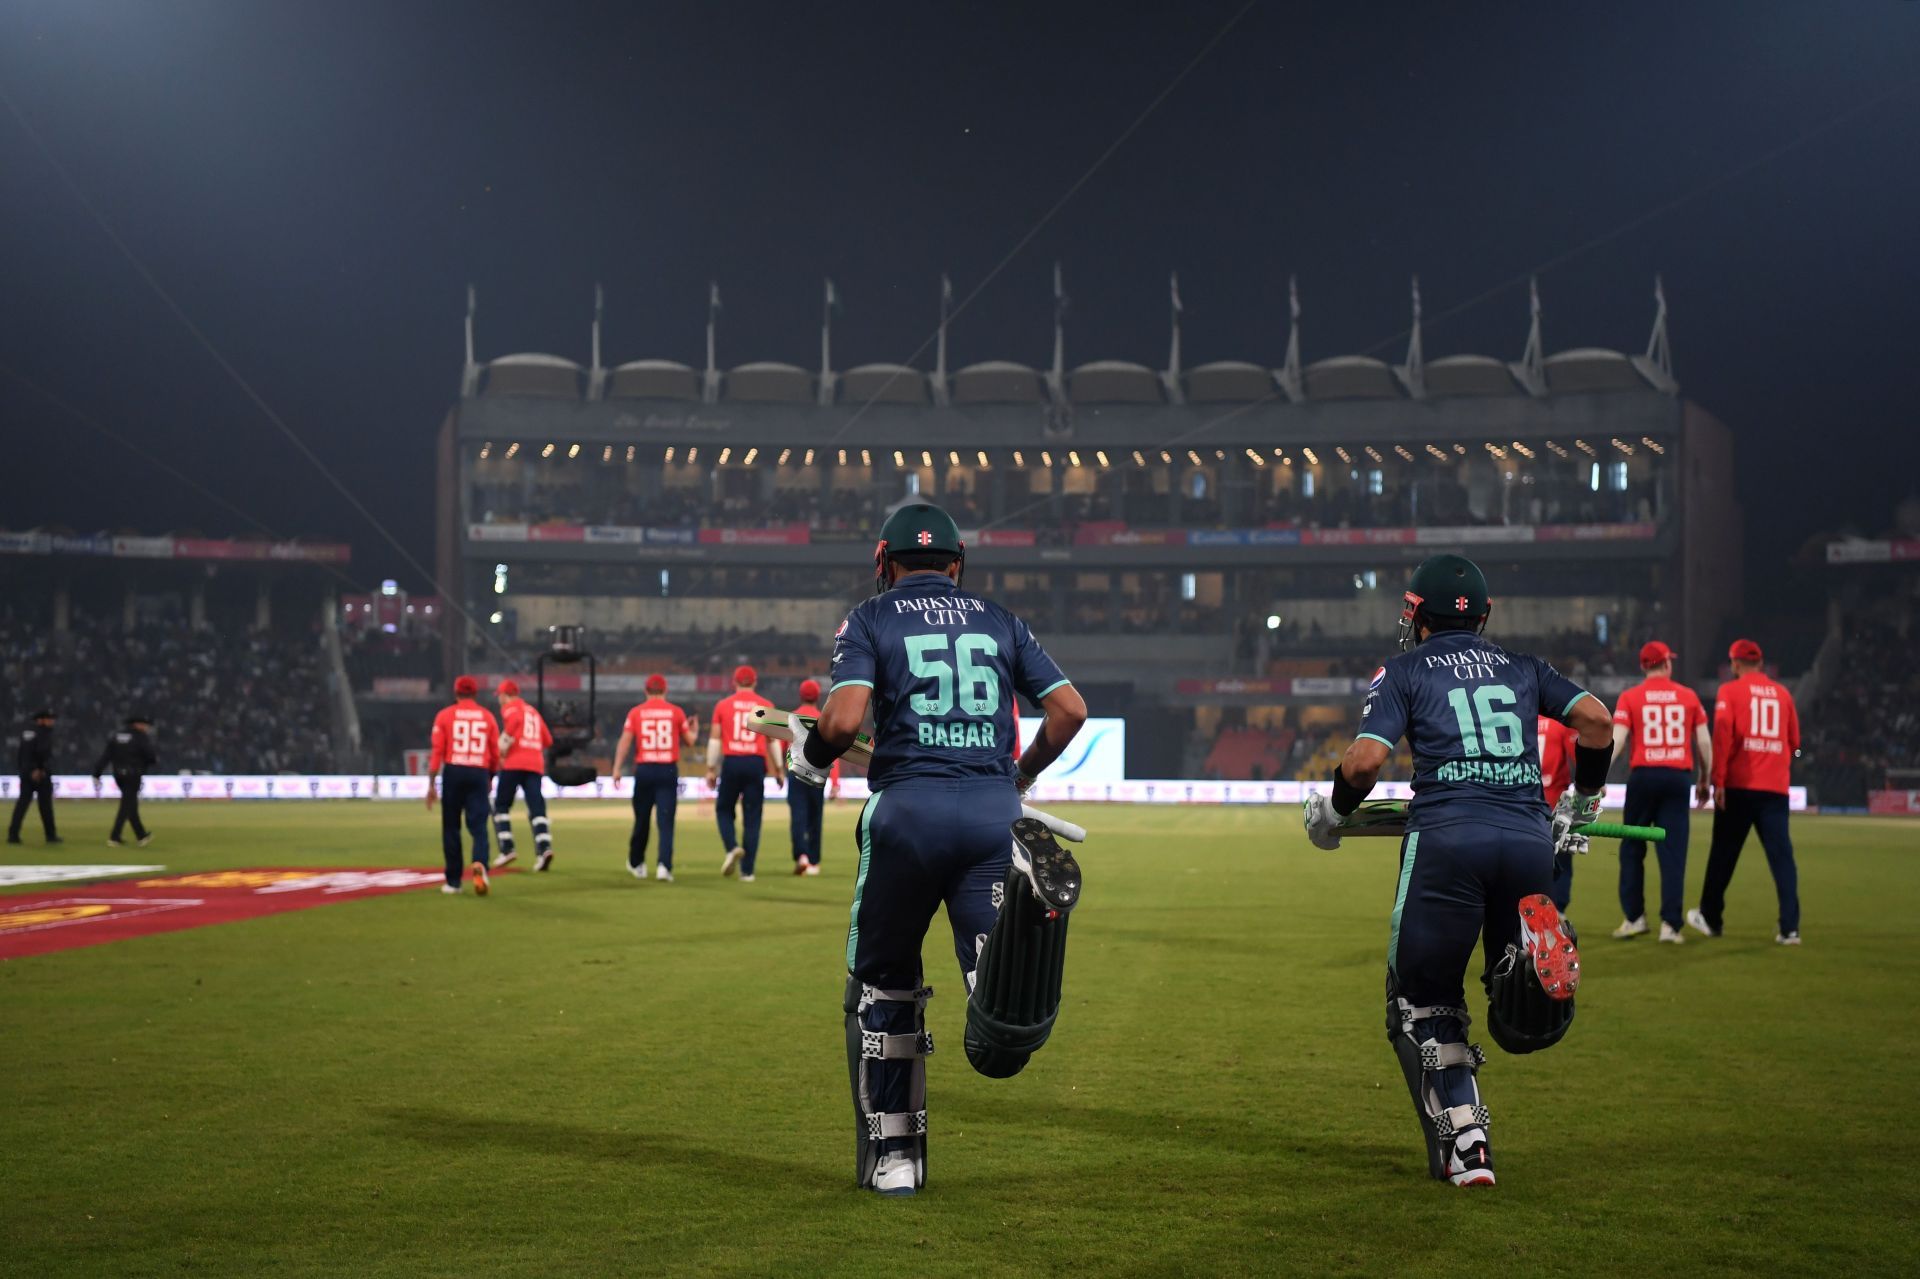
x=1653, y=653
x=809, y=690
x=745, y=675
x=465, y=686
x=656, y=683
x=1744, y=650
x=508, y=688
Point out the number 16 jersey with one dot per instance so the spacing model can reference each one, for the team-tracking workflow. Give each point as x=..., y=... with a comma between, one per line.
x=1470, y=710
x=944, y=666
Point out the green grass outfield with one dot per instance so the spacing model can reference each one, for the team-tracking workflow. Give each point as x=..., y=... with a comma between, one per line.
x=586, y=1075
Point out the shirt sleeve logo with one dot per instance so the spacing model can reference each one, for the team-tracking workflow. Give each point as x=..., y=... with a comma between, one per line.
x=1377, y=677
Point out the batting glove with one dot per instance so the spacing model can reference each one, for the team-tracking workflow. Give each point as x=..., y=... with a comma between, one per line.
x=1323, y=824
x=1573, y=811
x=798, y=769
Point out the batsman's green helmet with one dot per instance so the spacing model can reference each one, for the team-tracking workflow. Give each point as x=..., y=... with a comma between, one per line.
x=919, y=526
x=1445, y=587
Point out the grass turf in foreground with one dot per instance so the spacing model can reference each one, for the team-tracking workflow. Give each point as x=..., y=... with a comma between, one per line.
x=587, y=1075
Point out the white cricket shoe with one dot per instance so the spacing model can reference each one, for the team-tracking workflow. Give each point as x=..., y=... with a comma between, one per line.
x=1787, y=939
x=638, y=872
x=746, y=879
x=449, y=890
x=731, y=862
x=1699, y=924
x=894, y=1174
x=1470, y=1162
x=662, y=874
x=813, y=868
x=504, y=858
x=1631, y=928
x=1668, y=933
x=544, y=860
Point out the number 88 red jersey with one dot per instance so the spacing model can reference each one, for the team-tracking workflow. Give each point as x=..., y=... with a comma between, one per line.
x=1661, y=719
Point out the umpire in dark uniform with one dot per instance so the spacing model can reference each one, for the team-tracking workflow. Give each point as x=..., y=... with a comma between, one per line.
x=129, y=754
x=35, y=765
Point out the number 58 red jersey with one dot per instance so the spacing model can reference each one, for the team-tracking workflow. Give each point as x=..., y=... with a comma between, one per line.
x=657, y=727
x=1660, y=717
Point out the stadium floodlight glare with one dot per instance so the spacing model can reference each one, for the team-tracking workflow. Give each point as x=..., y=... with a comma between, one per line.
x=1623, y=446
x=546, y=451
x=486, y=449
x=843, y=457
x=1406, y=454
x=1374, y=453
x=1313, y=459
x=1653, y=444
x=1286, y=461
x=1046, y=457
x=573, y=451
x=693, y=454
x=1019, y=458
x=784, y=455
x=726, y=453
x=390, y=587
x=1219, y=455
x=1138, y=459
x=899, y=459
x=1273, y=621
x=497, y=618
x=669, y=458
x=751, y=455
x=606, y=454
x=953, y=457
x=866, y=458
x=1101, y=455
x=1166, y=457
x=1254, y=457
x=1340, y=452
x=1585, y=447
x=1193, y=456
x=1073, y=458
x=984, y=463
x=809, y=458
x=512, y=449
x=630, y=451
x=926, y=457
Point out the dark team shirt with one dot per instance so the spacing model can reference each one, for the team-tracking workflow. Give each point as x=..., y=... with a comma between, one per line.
x=944, y=666
x=36, y=749
x=1469, y=709
x=128, y=751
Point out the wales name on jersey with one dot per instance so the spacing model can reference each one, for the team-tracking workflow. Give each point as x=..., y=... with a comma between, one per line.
x=944, y=666
x=1470, y=710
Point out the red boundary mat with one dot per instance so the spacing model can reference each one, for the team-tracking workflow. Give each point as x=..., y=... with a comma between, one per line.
x=39, y=923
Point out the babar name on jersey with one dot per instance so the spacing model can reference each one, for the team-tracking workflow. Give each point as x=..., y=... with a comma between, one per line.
x=1468, y=663
x=939, y=610
x=972, y=733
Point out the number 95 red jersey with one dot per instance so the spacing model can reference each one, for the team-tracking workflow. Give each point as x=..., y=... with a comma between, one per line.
x=465, y=735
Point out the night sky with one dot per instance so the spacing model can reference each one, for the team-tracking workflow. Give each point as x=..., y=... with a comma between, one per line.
x=317, y=183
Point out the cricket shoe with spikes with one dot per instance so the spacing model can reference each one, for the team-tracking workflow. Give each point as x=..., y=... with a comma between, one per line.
x=505, y=857
x=731, y=862
x=1470, y=1162
x=544, y=861
x=1548, y=940
x=480, y=884
x=1050, y=869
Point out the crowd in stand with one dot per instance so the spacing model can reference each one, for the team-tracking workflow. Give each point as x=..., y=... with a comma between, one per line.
x=1868, y=717
x=221, y=701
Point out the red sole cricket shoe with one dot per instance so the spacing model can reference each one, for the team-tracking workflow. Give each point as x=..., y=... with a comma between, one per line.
x=1545, y=937
x=479, y=880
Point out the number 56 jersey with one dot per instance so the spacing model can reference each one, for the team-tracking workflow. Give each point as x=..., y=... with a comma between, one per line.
x=1470, y=710
x=944, y=666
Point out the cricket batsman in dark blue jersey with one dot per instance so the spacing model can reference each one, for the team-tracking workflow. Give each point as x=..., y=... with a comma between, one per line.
x=1476, y=865
x=939, y=668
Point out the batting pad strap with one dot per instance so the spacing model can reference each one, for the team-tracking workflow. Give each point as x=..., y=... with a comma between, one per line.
x=902, y=1123
x=1457, y=1119
x=1409, y=1014
x=875, y=995
x=875, y=1046
x=1436, y=1056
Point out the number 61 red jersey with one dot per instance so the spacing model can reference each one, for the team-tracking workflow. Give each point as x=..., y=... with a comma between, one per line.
x=467, y=735
x=1661, y=719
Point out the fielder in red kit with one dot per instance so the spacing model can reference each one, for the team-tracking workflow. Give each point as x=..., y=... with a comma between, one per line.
x=1672, y=754
x=806, y=805
x=524, y=742
x=1756, y=734
x=466, y=755
x=739, y=761
x=655, y=730
x=1556, y=774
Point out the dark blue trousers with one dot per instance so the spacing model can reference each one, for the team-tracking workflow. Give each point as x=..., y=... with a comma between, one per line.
x=743, y=780
x=1747, y=810
x=656, y=789
x=1657, y=797
x=922, y=844
x=805, y=804
x=463, y=792
x=1460, y=886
